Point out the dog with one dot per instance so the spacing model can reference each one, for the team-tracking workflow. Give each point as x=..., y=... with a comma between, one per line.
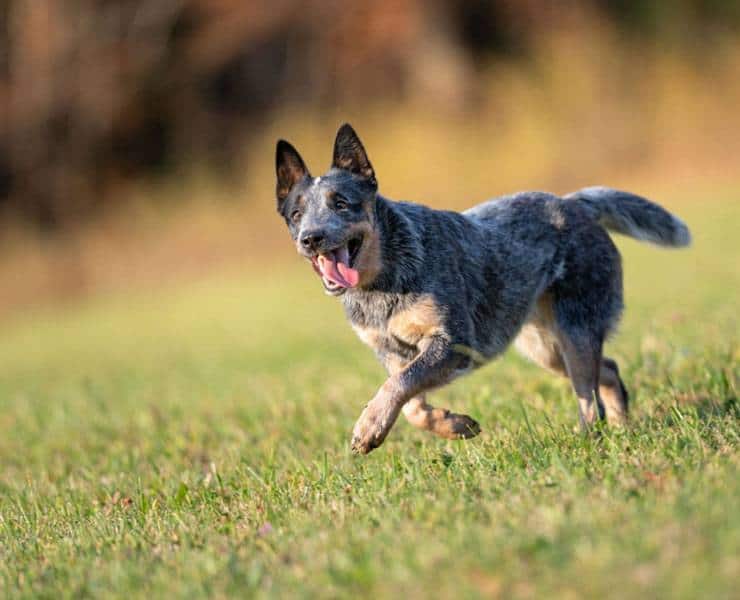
x=437, y=293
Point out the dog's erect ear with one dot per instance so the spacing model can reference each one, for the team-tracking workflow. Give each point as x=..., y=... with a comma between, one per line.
x=350, y=155
x=290, y=169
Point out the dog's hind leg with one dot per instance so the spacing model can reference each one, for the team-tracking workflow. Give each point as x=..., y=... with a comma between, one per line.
x=439, y=421
x=542, y=347
x=582, y=359
x=540, y=340
x=552, y=342
x=547, y=346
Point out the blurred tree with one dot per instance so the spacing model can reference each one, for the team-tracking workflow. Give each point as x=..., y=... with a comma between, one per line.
x=95, y=93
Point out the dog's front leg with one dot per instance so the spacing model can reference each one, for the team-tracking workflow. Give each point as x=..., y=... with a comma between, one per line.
x=435, y=365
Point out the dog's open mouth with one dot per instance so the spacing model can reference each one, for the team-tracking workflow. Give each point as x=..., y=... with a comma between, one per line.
x=336, y=266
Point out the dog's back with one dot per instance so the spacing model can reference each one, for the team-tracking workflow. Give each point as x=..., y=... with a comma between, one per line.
x=562, y=244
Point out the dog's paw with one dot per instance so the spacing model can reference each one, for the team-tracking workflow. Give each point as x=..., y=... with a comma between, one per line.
x=370, y=430
x=364, y=446
x=462, y=427
x=451, y=426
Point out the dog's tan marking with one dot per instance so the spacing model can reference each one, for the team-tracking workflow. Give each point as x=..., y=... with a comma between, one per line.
x=394, y=364
x=538, y=340
x=439, y=421
x=610, y=391
x=369, y=261
x=368, y=335
x=422, y=319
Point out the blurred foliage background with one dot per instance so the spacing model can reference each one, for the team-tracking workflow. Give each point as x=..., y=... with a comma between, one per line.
x=137, y=137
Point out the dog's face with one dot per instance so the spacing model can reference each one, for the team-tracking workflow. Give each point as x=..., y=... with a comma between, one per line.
x=331, y=218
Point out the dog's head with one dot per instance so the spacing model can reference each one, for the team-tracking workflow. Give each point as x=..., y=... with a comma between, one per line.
x=332, y=218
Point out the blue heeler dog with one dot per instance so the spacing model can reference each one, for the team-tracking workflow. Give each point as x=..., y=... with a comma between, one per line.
x=438, y=293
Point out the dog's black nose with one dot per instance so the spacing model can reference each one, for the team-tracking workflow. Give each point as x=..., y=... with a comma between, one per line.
x=311, y=239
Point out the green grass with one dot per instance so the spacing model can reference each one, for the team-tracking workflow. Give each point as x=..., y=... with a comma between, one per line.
x=196, y=442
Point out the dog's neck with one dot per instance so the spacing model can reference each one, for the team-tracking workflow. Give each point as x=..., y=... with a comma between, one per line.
x=401, y=250
x=399, y=279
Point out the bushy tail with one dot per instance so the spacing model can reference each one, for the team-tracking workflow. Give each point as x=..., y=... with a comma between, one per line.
x=633, y=216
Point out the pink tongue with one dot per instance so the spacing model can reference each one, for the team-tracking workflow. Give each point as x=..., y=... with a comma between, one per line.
x=334, y=266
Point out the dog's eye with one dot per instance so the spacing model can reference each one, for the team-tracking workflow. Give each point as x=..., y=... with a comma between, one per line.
x=295, y=216
x=340, y=203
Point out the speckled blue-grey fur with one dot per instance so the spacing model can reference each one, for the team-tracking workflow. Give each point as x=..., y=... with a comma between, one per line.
x=633, y=215
x=485, y=271
x=488, y=264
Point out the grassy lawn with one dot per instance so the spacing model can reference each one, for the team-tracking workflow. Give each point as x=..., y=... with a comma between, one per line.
x=196, y=442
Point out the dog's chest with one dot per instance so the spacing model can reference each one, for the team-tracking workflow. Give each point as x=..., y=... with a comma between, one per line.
x=399, y=330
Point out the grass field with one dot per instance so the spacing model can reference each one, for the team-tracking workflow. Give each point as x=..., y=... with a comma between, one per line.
x=195, y=442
